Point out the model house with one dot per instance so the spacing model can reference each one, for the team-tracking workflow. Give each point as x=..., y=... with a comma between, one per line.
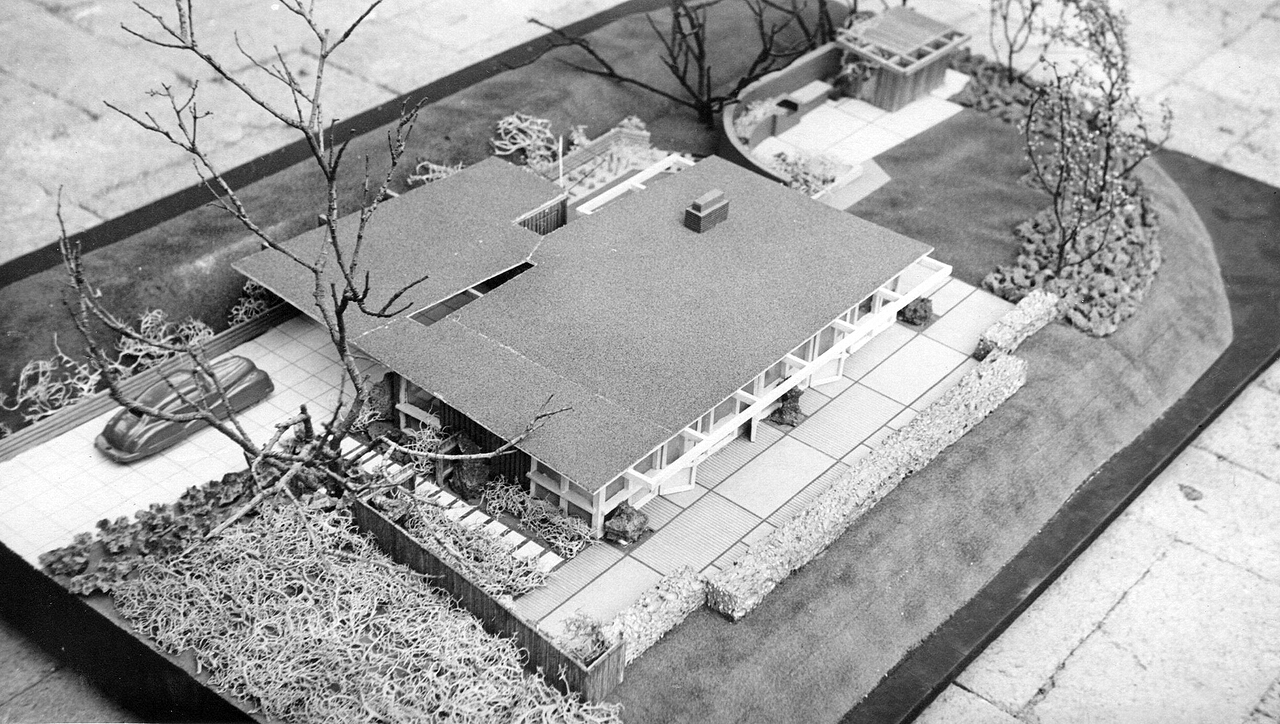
x=670, y=319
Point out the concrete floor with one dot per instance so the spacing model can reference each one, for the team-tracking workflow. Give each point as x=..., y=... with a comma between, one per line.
x=1170, y=616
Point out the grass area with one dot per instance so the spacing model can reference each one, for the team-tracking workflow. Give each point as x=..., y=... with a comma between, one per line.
x=957, y=186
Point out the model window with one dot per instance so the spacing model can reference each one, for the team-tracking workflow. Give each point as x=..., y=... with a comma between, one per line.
x=724, y=411
x=617, y=486
x=804, y=351
x=704, y=424
x=674, y=448
x=646, y=464
x=550, y=474
x=581, y=513
x=774, y=374
x=826, y=339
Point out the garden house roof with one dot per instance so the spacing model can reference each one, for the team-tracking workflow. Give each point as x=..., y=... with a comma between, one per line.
x=902, y=39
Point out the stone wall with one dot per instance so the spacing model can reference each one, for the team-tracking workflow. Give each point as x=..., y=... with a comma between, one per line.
x=1030, y=316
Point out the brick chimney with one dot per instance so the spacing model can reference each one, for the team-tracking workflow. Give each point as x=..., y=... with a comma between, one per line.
x=710, y=209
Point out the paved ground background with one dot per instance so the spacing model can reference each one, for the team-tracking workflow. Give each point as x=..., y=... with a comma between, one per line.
x=1169, y=617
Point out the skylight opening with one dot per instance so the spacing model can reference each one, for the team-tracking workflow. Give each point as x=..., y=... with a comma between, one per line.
x=440, y=310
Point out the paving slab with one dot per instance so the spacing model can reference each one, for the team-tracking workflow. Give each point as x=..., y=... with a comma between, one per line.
x=606, y=596
x=1246, y=432
x=1193, y=641
x=913, y=370
x=951, y=294
x=871, y=354
x=774, y=476
x=965, y=322
x=955, y=705
x=1014, y=668
x=847, y=420
x=696, y=537
x=1219, y=507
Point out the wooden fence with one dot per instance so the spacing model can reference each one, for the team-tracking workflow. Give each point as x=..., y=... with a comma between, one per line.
x=86, y=409
x=558, y=668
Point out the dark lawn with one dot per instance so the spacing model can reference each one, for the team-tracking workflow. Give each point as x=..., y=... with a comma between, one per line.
x=956, y=186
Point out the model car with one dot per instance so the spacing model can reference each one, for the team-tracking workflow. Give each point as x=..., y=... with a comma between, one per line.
x=131, y=436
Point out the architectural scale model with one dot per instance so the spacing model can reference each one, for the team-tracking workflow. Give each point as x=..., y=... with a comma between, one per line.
x=669, y=320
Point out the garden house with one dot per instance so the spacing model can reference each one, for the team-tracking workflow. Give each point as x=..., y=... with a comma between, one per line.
x=908, y=52
x=669, y=320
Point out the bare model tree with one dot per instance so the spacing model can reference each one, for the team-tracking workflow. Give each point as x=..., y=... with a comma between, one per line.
x=342, y=287
x=1085, y=134
x=1016, y=21
x=687, y=55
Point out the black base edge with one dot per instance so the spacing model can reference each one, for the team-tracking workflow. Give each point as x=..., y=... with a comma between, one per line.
x=70, y=629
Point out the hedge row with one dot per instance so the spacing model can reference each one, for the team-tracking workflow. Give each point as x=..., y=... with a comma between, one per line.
x=1037, y=309
x=736, y=590
x=657, y=611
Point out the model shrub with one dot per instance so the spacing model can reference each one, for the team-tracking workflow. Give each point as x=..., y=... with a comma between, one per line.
x=296, y=613
x=254, y=301
x=991, y=89
x=736, y=590
x=566, y=535
x=752, y=114
x=100, y=561
x=487, y=560
x=657, y=611
x=583, y=637
x=916, y=312
x=810, y=175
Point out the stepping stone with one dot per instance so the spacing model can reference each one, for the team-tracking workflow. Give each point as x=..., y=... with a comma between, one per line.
x=497, y=528
x=455, y=513
x=528, y=550
x=513, y=538
x=476, y=519
x=549, y=561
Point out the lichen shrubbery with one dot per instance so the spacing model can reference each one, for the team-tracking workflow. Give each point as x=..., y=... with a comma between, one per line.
x=483, y=556
x=1099, y=292
x=47, y=385
x=297, y=614
x=566, y=535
